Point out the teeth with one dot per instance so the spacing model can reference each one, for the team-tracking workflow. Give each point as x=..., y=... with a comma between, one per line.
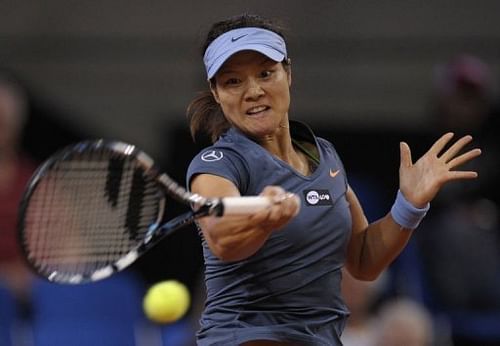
x=257, y=109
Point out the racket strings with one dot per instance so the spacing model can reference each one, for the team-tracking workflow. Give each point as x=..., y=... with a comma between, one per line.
x=89, y=211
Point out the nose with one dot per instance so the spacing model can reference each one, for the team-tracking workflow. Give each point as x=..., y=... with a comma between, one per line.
x=254, y=90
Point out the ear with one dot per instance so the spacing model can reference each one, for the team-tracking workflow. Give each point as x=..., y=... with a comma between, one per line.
x=213, y=90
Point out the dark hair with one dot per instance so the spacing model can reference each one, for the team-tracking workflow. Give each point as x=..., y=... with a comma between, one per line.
x=204, y=113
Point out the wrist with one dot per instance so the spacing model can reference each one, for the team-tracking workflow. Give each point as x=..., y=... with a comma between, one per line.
x=406, y=214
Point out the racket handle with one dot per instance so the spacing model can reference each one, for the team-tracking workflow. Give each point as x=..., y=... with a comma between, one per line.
x=246, y=205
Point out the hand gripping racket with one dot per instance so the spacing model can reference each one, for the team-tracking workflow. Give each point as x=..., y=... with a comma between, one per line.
x=93, y=208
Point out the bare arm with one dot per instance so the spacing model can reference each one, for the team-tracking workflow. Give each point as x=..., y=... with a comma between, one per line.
x=374, y=246
x=233, y=238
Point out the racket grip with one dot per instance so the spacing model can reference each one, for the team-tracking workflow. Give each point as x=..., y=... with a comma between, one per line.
x=246, y=205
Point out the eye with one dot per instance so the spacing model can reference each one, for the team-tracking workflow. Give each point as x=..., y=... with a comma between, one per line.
x=266, y=73
x=232, y=81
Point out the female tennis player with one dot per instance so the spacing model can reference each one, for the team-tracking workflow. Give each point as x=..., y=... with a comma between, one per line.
x=274, y=278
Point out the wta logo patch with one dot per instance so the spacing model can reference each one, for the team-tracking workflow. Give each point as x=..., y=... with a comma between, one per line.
x=317, y=197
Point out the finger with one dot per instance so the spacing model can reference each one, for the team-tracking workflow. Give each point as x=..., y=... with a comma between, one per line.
x=296, y=205
x=456, y=147
x=281, y=198
x=439, y=145
x=466, y=157
x=287, y=205
x=280, y=214
x=275, y=193
x=405, y=154
x=275, y=214
x=291, y=205
x=460, y=175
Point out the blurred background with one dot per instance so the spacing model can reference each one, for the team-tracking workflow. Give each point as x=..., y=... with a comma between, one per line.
x=366, y=75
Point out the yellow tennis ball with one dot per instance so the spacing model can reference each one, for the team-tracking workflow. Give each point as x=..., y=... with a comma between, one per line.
x=166, y=301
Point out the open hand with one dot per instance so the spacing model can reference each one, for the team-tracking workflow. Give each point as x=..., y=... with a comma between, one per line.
x=421, y=181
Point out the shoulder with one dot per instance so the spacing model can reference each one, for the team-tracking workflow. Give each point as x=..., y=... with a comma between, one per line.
x=223, y=159
x=216, y=157
x=327, y=146
x=223, y=152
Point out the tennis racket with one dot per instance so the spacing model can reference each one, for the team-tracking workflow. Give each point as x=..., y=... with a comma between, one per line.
x=95, y=207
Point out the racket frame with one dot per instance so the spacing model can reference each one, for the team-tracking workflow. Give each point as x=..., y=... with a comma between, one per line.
x=200, y=207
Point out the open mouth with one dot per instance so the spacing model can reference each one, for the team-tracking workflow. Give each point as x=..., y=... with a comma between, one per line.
x=257, y=110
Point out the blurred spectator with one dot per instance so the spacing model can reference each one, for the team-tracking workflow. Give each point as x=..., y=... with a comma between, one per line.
x=465, y=101
x=463, y=94
x=460, y=240
x=402, y=322
x=15, y=171
x=360, y=297
x=379, y=320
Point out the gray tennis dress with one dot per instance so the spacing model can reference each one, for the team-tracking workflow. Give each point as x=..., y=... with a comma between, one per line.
x=289, y=290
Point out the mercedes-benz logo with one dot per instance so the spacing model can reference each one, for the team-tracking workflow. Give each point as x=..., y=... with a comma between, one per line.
x=212, y=155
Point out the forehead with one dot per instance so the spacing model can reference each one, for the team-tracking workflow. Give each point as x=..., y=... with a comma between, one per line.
x=245, y=58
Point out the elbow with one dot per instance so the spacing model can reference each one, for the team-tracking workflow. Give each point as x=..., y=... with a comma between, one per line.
x=222, y=252
x=228, y=255
x=220, y=246
x=363, y=274
x=236, y=245
x=219, y=249
x=227, y=251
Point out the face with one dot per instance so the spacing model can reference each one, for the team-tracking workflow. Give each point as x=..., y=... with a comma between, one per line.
x=254, y=93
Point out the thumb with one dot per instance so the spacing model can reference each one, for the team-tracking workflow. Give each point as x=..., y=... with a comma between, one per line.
x=405, y=154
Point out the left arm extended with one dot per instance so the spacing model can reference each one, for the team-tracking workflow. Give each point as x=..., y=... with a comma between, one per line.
x=374, y=246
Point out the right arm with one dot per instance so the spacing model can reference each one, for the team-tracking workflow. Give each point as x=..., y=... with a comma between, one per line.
x=233, y=238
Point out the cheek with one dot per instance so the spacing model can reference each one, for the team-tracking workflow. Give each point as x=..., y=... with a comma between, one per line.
x=228, y=105
x=284, y=98
x=227, y=102
x=282, y=90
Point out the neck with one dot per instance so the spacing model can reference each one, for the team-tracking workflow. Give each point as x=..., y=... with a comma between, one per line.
x=280, y=145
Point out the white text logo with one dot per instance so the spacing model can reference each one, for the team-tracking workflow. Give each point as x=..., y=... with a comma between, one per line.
x=318, y=197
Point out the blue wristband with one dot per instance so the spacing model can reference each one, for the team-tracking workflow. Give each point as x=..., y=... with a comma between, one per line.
x=405, y=214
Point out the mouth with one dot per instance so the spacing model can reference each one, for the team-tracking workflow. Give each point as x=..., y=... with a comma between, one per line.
x=257, y=110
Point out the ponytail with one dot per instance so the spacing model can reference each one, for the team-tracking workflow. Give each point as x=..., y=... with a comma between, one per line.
x=205, y=117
